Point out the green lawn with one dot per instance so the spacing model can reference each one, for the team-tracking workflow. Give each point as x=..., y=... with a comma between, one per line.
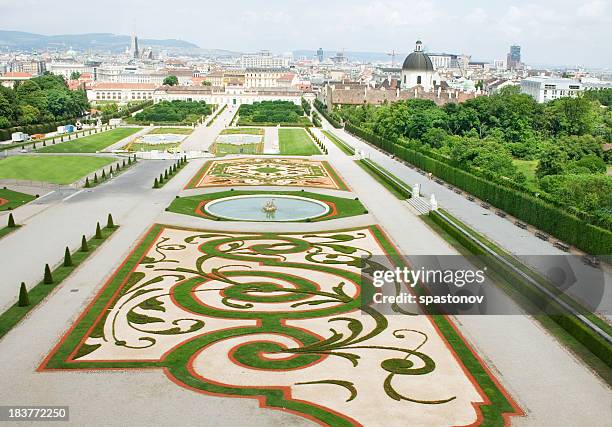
x=221, y=149
x=528, y=167
x=296, y=142
x=15, y=199
x=150, y=147
x=175, y=131
x=242, y=131
x=53, y=169
x=344, y=207
x=92, y=143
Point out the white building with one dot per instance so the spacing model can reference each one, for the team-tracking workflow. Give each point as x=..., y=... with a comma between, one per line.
x=544, y=89
x=264, y=59
x=121, y=92
x=229, y=95
x=268, y=78
x=418, y=70
x=67, y=68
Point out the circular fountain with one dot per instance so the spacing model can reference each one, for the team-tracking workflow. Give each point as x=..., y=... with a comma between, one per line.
x=266, y=207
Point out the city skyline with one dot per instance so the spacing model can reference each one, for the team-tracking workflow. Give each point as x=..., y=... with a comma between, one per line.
x=547, y=33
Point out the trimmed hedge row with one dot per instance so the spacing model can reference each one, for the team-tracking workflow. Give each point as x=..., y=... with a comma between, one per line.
x=322, y=108
x=545, y=216
x=6, y=134
x=570, y=323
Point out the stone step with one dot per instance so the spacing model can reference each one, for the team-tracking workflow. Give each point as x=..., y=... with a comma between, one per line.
x=420, y=204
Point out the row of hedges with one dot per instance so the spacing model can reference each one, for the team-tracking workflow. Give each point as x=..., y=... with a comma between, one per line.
x=304, y=124
x=322, y=108
x=545, y=216
x=6, y=134
x=570, y=323
x=126, y=112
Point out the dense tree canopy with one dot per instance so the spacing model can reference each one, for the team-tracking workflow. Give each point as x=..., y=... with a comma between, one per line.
x=271, y=112
x=170, y=81
x=174, y=112
x=39, y=100
x=488, y=133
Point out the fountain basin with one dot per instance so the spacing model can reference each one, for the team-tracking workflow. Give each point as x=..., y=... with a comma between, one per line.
x=250, y=208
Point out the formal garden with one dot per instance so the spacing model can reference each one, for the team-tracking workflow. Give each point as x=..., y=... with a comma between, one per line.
x=173, y=113
x=245, y=140
x=338, y=207
x=272, y=113
x=278, y=317
x=272, y=171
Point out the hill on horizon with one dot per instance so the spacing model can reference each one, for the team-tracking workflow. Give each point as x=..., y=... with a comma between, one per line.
x=21, y=40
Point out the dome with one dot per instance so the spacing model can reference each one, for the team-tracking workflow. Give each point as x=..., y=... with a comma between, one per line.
x=418, y=60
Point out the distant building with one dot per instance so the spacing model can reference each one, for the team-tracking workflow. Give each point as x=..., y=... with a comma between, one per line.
x=11, y=78
x=320, y=54
x=418, y=70
x=444, y=60
x=228, y=95
x=268, y=78
x=134, y=52
x=121, y=92
x=513, y=61
x=544, y=89
x=264, y=59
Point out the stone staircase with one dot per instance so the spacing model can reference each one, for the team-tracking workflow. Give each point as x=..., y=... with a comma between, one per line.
x=421, y=204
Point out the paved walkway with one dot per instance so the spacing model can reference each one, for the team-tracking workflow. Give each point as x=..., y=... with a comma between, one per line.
x=271, y=144
x=46, y=232
x=203, y=136
x=546, y=380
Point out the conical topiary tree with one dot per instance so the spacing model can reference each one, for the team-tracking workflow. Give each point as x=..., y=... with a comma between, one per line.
x=98, y=231
x=84, y=247
x=109, y=222
x=87, y=185
x=48, y=279
x=11, y=221
x=155, y=183
x=166, y=174
x=111, y=169
x=123, y=162
x=161, y=178
x=67, y=257
x=103, y=173
x=95, y=178
x=24, y=299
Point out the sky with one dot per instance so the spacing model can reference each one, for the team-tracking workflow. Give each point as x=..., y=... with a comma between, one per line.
x=564, y=32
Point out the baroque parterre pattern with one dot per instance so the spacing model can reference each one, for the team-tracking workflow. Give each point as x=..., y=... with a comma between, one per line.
x=277, y=317
x=268, y=171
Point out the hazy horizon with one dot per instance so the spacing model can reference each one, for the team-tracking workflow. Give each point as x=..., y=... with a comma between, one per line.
x=550, y=32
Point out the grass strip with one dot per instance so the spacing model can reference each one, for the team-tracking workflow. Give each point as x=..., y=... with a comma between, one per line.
x=390, y=182
x=343, y=146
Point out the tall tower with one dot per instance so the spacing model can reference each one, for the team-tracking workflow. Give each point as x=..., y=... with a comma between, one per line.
x=514, y=57
x=134, y=53
x=320, y=54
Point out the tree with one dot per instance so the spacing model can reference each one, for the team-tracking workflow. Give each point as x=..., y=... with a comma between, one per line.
x=590, y=163
x=170, y=81
x=552, y=161
x=11, y=221
x=75, y=75
x=206, y=83
x=24, y=299
x=109, y=222
x=84, y=246
x=48, y=278
x=98, y=231
x=67, y=257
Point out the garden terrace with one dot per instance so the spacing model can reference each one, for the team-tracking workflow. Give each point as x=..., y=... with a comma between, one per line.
x=272, y=113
